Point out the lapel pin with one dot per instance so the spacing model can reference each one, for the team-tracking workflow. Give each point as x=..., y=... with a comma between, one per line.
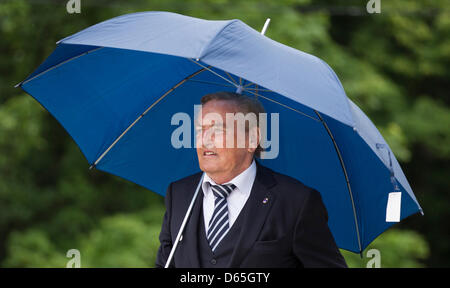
x=265, y=200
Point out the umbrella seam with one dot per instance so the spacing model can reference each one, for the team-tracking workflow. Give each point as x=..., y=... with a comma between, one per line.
x=206, y=47
x=346, y=179
x=57, y=65
x=184, y=80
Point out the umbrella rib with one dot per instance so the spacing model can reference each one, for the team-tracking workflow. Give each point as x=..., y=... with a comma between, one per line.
x=143, y=114
x=57, y=65
x=346, y=177
x=213, y=83
x=247, y=86
x=232, y=79
x=265, y=90
x=240, y=81
x=281, y=104
x=215, y=73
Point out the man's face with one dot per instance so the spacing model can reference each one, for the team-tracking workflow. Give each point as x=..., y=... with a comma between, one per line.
x=215, y=155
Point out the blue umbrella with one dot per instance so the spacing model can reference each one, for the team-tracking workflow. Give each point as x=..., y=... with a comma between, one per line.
x=115, y=86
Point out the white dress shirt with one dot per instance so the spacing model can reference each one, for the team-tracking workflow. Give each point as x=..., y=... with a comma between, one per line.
x=236, y=200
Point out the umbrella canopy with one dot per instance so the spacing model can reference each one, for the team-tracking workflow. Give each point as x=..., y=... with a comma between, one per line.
x=115, y=86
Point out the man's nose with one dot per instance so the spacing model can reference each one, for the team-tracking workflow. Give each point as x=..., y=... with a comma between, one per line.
x=208, y=138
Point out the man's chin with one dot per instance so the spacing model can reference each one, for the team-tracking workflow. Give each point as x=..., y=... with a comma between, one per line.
x=209, y=168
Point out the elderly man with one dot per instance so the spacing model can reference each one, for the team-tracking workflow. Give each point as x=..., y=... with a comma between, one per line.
x=246, y=214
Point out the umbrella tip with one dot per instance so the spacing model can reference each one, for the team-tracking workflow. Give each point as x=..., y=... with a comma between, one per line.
x=263, y=31
x=92, y=167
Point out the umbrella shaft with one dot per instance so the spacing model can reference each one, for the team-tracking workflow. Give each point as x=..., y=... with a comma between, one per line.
x=186, y=217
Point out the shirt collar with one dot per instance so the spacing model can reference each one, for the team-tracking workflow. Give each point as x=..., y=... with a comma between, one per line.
x=243, y=181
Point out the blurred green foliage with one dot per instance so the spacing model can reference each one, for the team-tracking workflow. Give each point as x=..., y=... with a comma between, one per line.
x=394, y=65
x=397, y=249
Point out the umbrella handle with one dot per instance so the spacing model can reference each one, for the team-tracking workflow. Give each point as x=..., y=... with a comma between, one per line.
x=183, y=224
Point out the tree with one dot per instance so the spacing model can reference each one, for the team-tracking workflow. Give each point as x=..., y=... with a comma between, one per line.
x=394, y=65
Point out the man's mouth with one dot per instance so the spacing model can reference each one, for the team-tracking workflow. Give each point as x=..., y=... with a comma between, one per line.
x=209, y=153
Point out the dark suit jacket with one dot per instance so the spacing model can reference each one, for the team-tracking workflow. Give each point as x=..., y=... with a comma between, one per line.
x=289, y=230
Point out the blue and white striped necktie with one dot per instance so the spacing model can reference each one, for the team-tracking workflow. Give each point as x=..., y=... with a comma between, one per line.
x=218, y=225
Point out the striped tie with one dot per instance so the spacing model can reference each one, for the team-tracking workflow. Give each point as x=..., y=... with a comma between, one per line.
x=218, y=225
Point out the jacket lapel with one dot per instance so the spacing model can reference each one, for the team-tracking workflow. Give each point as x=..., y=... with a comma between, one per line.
x=256, y=210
